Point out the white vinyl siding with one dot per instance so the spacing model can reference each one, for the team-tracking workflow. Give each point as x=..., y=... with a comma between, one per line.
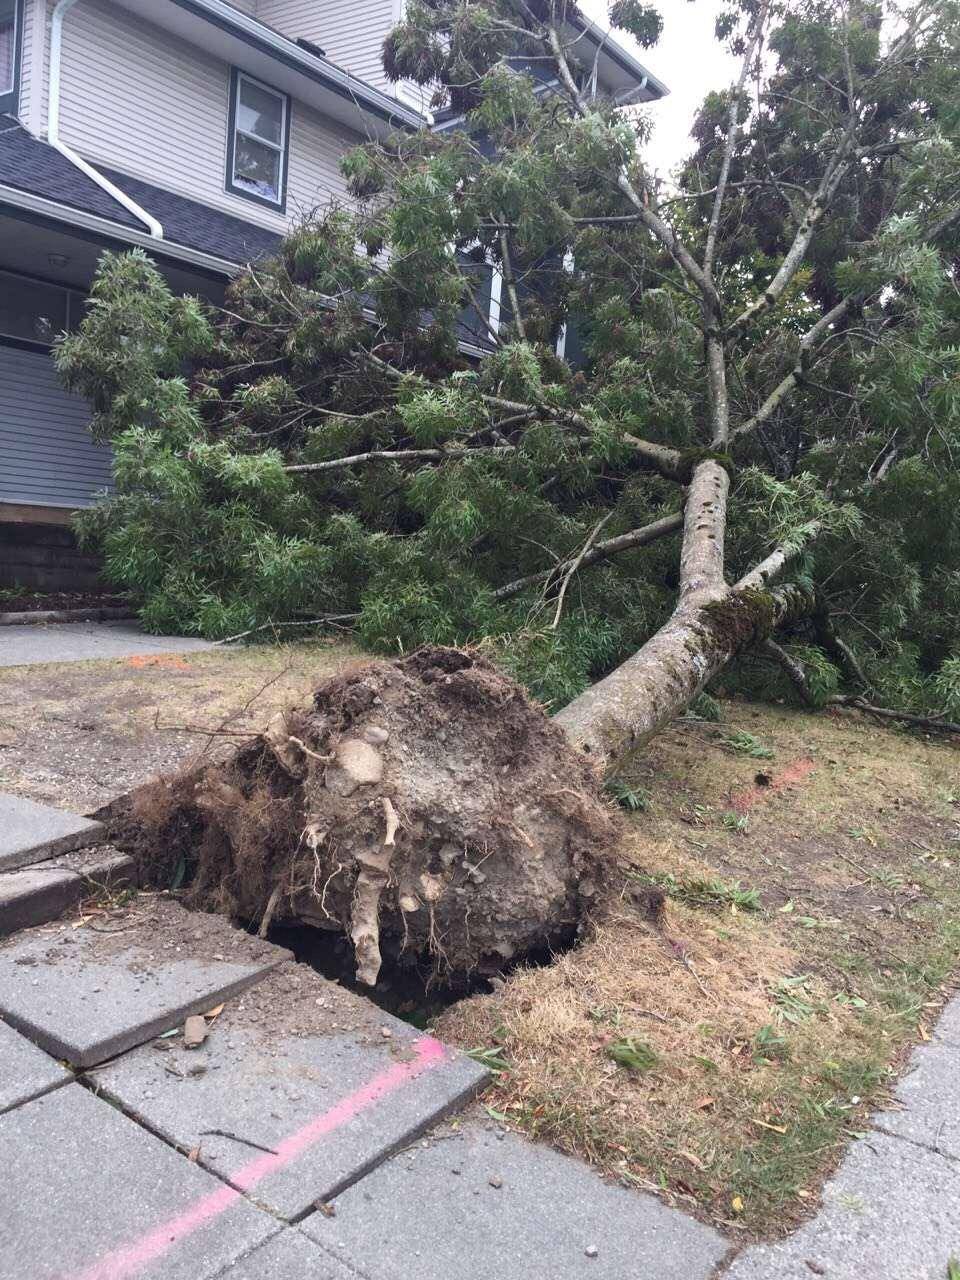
x=350, y=32
x=48, y=456
x=144, y=102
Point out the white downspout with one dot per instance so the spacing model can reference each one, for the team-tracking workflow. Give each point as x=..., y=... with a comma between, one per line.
x=60, y=10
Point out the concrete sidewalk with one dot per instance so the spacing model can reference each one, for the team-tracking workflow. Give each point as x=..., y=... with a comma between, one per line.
x=22, y=646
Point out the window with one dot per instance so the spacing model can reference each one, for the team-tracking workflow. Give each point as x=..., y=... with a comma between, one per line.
x=11, y=28
x=258, y=142
x=34, y=312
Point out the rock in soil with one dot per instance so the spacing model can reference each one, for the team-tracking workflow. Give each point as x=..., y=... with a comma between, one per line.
x=424, y=807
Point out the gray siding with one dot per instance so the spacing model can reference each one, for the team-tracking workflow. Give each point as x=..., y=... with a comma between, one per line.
x=47, y=457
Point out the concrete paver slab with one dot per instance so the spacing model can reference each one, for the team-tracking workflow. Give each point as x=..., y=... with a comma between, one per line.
x=929, y=1092
x=84, y=994
x=892, y=1210
x=948, y=1027
x=470, y=1204
x=36, y=894
x=89, y=1195
x=41, y=892
x=289, y=1255
x=81, y=641
x=25, y=1071
x=301, y=1068
x=31, y=831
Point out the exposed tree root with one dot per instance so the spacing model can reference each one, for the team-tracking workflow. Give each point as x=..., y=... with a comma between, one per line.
x=424, y=805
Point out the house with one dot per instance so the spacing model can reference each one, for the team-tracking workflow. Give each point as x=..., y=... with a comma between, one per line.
x=198, y=130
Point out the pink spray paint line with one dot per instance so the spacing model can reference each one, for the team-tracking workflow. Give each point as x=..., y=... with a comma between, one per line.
x=131, y=1259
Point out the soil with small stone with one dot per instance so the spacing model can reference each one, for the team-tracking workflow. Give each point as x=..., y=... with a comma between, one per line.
x=423, y=807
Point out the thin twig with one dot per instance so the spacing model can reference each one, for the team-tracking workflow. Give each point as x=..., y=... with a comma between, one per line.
x=575, y=566
x=235, y=1137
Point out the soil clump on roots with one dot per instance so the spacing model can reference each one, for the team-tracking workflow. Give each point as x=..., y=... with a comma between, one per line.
x=423, y=807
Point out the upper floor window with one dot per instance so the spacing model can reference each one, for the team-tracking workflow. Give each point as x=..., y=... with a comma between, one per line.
x=11, y=29
x=258, y=142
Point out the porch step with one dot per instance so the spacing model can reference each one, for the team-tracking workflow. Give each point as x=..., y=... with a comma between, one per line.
x=39, y=893
x=31, y=832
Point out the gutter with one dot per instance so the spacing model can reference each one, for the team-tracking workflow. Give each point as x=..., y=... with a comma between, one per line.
x=60, y=11
x=103, y=228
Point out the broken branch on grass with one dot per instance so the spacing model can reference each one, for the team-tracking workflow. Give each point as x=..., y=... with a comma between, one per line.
x=325, y=620
x=938, y=723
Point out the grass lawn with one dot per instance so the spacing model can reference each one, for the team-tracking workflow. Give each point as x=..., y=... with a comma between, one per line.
x=724, y=1050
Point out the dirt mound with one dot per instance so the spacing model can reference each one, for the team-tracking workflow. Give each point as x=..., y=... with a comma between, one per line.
x=423, y=806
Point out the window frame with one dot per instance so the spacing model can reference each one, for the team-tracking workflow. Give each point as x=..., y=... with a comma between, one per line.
x=237, y=77
x=10, y=100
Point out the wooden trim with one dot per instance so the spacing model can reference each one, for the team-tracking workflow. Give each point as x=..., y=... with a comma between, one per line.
x=22, y=513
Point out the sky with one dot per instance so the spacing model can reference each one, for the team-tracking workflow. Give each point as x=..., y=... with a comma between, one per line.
x=688, y=60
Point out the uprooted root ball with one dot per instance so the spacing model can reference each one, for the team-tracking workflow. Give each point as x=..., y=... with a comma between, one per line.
x=423, y=805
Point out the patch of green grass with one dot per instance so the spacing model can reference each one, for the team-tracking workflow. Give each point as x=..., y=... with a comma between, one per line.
x=735, y=822
x=747, y=744
x=703, y=893
x=634, y=1055
x=793, y=998
x=769, y=1170
x=633, y=799
x=769, y=1045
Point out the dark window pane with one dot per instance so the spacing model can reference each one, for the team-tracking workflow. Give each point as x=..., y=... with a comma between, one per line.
x=256, y=168
x=36, y=312
x=8, y=43
x=260, y=113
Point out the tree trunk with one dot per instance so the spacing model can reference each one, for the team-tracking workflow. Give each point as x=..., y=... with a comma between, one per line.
x=625, y=709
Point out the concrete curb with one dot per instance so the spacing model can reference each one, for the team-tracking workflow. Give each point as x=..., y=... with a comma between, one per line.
x=40, y=617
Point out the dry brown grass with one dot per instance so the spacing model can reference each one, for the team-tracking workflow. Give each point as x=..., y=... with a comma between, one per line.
x=773, y=1030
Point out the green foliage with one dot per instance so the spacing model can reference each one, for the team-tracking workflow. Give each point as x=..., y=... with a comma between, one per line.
x=633, y=799
x=770, y=1045
x=349, y=343
x=705, y=707
x=633, y=1055
x=694, y=892
x=745, y=743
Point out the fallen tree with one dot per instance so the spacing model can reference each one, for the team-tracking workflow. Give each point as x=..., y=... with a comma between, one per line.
x=770, y=346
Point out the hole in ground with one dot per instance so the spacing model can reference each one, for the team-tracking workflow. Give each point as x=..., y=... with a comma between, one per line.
x=406, y=988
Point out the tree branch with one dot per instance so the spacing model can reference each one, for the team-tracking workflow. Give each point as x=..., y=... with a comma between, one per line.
x=611, y=546
x=400, y=455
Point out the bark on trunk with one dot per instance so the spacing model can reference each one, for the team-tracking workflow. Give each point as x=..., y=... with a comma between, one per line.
x=624, y=710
